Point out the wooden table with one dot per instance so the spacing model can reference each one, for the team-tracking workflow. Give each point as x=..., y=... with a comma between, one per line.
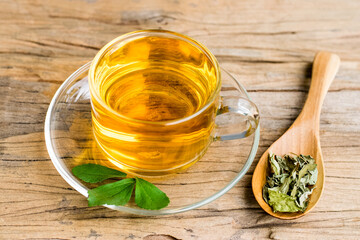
x=268, y=45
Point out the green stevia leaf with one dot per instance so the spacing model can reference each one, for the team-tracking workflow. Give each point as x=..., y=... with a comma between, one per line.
x=281, y=202
x=117, y=193
x=94, y=173
x=148, y=196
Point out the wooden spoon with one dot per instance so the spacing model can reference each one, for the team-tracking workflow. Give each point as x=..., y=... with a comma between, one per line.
x=303, y=135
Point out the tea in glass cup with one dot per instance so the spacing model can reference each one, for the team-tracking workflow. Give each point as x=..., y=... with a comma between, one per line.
x=155, y=96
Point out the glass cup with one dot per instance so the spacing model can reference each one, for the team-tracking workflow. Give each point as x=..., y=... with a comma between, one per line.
x=156, y=104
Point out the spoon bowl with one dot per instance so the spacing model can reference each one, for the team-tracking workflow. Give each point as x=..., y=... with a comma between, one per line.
x=303, y=135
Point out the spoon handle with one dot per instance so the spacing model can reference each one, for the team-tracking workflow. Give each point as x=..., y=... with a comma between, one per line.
x=324, y=70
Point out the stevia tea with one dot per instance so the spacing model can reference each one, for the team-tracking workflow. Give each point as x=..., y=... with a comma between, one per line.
x=154, y=98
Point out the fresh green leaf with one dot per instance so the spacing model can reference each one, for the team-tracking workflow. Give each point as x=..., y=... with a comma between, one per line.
x=281, y=202
x=117, y=193
x=94, y=173
x=148, y=196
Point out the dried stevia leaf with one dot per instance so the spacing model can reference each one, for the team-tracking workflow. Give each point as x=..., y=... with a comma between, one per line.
x=286, y=188
x=270, y=182
x=275, y=167
x=290, y=162
x=301, y=188
x=305, y=169
x=313, y=176
x=281, y=178
x=302, y=200
x=265, y=194
x=281, y=202
x=294, y=190
x=282, y=163
x=276, y=189
x=307, y=159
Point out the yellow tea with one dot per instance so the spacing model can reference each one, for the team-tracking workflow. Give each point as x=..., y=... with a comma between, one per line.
x=154, y=101
x=155, y=93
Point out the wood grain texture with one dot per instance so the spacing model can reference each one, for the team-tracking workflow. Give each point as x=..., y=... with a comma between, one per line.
x=268, y=45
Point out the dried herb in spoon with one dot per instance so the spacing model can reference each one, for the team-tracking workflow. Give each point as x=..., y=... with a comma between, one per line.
x=288, y=187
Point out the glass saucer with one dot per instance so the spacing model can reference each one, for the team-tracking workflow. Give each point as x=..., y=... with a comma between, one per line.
x=69, y=141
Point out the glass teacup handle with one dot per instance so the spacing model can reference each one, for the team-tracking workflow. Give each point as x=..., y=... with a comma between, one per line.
x=237, y=117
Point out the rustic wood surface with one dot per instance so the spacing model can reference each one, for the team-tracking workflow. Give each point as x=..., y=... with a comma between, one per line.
x=268, y=45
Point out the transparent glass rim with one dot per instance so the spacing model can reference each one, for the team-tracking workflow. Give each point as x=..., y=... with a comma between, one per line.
x=78, y=186
x=162, y=33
